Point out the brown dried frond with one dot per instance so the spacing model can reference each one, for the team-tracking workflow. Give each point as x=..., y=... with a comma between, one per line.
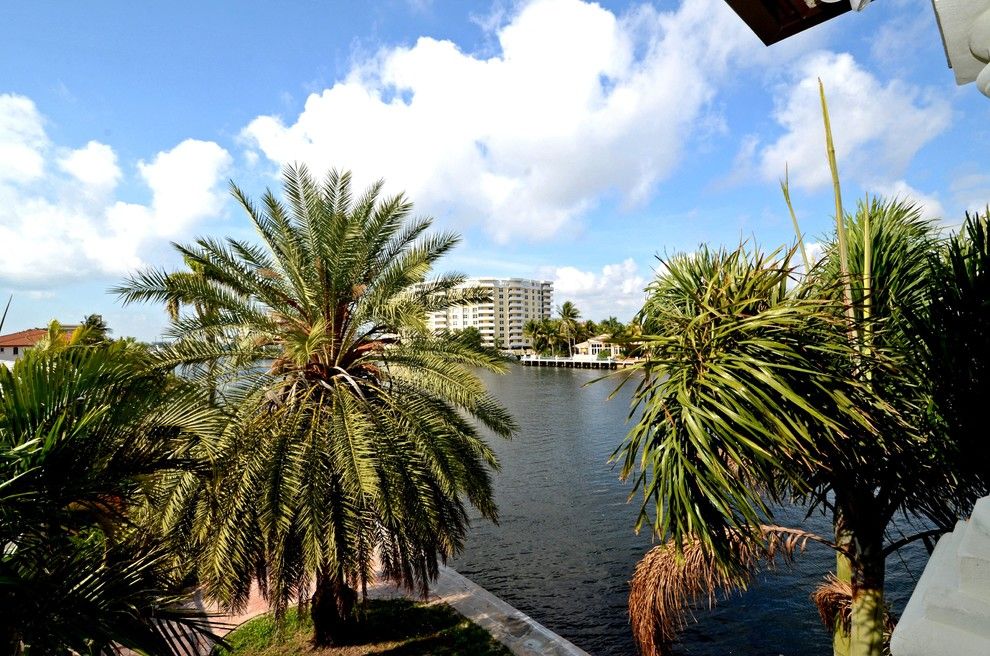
x=668, y=581
x=833, y=598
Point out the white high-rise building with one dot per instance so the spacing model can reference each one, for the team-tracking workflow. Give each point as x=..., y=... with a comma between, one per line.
x=513, y=302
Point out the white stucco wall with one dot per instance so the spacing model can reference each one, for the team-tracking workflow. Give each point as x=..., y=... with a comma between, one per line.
x=965, y=27
x=949, y=612
x=7, y=354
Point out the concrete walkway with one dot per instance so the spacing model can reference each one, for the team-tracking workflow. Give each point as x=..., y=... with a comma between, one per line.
x=523, y=635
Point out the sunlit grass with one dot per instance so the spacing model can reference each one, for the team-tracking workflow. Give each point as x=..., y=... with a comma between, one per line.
x=396, y=627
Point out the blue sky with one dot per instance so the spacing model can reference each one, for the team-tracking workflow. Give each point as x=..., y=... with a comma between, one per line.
x=564, y=140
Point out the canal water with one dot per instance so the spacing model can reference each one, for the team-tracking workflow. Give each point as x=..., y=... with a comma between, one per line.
x=565, y=549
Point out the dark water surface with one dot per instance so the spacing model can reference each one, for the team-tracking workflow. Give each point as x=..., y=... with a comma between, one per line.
x=565, y=549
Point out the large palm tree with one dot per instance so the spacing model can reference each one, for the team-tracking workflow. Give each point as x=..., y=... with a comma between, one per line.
x=85, y=433
x=543, y=334
x=612, y=327
x=350, y=437
x=762, y=388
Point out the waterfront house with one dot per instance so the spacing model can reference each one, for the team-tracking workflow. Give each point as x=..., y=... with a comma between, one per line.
x=14, y=345
x=596, y=346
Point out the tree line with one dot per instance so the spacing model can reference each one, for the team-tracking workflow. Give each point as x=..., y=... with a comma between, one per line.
x=558, y=335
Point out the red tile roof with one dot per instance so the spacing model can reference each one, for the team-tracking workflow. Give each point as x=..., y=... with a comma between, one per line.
x=29, y=337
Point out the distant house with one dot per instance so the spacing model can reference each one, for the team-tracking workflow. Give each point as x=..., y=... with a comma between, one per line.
x=596, y=346
x=14, y=345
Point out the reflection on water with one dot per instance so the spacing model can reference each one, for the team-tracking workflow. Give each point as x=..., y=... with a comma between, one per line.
x=565, y=549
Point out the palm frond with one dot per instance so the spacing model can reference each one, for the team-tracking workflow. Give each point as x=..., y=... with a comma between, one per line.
x=671, y=579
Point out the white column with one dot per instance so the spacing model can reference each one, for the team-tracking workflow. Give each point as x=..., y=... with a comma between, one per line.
x=965, y=26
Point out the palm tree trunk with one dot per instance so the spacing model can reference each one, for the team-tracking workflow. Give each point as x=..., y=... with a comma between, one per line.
x=867, y=634
x=843, y=572
x=332, y=607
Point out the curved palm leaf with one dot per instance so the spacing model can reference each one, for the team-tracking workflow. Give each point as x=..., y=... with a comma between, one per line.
x=85, y=433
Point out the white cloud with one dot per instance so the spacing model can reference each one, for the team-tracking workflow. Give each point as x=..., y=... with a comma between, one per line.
x=971, y=191
x=878, y=127
x=183, y=182
x=617, y=290
x=39, y=295
x=931, y=207
x=577, y=103
x=815, y=251
x=906, y=38
x=54, y=229
x=22, y=140
x=94, y=165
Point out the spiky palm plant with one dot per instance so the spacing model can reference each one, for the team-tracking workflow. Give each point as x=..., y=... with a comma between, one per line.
x=809, y=392
x=953, y=353
x=754, y=393
x=351, y=436
x=85, y=433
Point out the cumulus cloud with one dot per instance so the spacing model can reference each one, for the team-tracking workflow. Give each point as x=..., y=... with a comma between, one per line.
x=931, y=206
x=577, y=103
x=22, y=140
x=878, y=127
x=94, y=165
x=616, y=290
x=972, y=192
x=61, y=223
x=183, y=182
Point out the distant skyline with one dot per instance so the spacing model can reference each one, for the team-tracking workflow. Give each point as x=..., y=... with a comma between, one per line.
x=565, y=140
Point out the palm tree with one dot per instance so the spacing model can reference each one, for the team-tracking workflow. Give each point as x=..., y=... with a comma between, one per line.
x=753, y=395
x=539, y=334
x=544, y=335
x=612, y=326
x=756, y=395
x=348, y=437
x=97, y=328
x=88, y=333
x=760, y=390
x=953, y=351
x=569, y=326
x=84, y=434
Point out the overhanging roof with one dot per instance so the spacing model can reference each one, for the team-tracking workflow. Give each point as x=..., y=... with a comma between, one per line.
x=775, y=20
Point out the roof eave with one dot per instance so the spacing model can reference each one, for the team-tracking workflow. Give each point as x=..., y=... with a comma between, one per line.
x=769, y=25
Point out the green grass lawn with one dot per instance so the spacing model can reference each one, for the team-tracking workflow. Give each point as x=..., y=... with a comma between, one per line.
x=396, y=627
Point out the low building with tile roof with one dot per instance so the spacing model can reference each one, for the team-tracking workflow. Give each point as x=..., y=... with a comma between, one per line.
x=14, y=345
